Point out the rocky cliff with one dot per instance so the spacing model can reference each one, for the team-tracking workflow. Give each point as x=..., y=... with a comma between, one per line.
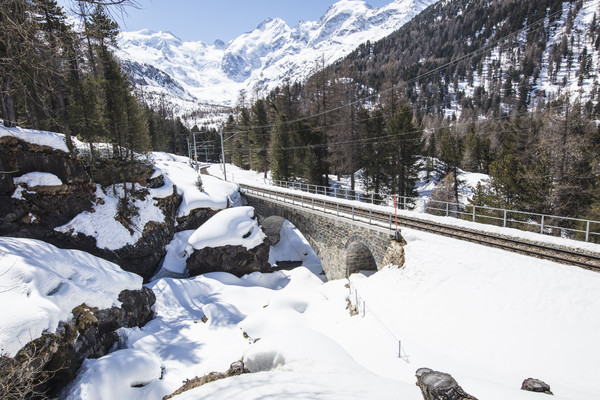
x=35, y=212
x=47, y=364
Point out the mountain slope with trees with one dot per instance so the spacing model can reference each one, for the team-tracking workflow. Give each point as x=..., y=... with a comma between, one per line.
x=507, y=88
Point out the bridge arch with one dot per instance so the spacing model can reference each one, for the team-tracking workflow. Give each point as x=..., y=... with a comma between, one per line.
x=343, y=246
x=359, y=256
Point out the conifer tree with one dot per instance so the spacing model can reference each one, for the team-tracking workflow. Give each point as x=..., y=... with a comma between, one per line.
x=404, y=148
x=280, y=153
x=259, y=137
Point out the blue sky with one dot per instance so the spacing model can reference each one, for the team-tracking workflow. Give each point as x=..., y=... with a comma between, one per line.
x=208, y=20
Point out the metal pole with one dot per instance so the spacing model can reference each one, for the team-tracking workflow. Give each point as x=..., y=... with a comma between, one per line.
x=223, y=154
x=189, y=149
x=587, y=231
x=399, y=349
x=195, y=151
x=542, y=225
x=396, y=210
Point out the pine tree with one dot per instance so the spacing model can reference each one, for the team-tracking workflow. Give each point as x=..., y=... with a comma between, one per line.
x=403, y=152
x=450, y=155
x=280, y=152
x=259, y=137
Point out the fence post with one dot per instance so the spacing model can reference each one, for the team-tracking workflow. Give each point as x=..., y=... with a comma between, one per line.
x=542, y=225
x=474, y=208
x=447, y=209
x=370, y=217
x=338, y=210
x=587, y=231
x=372, y=198
x=504, y=219
x=352, y=212
x=399, y=349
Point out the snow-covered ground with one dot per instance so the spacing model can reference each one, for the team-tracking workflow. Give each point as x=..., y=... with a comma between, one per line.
x=488, y=317
x=40, y=285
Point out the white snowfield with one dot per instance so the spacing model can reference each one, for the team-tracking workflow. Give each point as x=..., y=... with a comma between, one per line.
x=40, y=285
x=488, y=317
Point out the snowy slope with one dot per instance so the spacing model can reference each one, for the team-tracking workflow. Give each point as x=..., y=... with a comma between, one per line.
x=40, y=285
x=261, y=59
x=488, y=317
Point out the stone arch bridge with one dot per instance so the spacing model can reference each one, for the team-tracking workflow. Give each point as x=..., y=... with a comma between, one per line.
x=343, y=246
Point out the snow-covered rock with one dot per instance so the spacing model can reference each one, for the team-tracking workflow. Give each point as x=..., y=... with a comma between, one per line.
x=234, y=226
x=231, y=241
x=42, y=284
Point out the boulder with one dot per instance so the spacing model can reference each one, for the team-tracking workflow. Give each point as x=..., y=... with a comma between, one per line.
x=535, y=385
x=437, y=385
x=236, y=260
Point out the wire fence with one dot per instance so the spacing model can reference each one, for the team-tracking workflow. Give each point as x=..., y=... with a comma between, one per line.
x=362, y=309
x=553, y=225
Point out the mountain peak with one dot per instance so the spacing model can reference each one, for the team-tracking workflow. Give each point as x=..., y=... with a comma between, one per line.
x=260, y=60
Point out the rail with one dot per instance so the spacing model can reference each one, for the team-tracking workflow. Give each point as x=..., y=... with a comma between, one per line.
x=388, y=219
x=552, y=225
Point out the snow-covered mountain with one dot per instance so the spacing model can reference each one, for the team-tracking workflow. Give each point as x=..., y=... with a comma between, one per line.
x=260, y=60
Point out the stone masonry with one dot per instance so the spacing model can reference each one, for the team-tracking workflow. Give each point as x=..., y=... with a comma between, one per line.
x=343, y=246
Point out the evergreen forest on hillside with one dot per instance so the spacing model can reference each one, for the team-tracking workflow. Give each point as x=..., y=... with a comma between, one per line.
x=507, y=88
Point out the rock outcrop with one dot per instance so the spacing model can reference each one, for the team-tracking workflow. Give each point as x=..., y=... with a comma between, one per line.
x=48, y=363
x=37, y=211
x=236, y=260
x=236, y=368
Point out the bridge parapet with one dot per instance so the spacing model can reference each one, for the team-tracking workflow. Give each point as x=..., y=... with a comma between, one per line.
x=343, y=246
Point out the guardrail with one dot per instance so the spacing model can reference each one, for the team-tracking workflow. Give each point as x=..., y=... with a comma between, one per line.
x=553, y=225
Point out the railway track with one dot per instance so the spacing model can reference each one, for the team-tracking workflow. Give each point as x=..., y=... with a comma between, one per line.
x=560, y=254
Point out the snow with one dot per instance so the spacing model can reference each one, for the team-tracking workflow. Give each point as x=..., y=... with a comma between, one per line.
x=42, y=138
x=33, y=179
x=174, y=263
x=101, y=224
x=259, y=60
x=293, y=246
x=488, y=317
x=236, y=226
x=40, y=285
x=216, y=194
x=119, y=372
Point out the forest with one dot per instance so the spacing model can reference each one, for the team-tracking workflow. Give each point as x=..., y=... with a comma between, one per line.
x=458, y=88
x=460, y=84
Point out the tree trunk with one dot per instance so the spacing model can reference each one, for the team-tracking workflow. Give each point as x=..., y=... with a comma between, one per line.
x=8, y=103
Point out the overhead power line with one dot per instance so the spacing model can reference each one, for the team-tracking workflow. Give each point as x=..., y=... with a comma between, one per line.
x=530, y=28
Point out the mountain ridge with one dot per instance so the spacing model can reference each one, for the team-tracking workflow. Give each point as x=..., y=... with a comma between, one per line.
x=259, y=60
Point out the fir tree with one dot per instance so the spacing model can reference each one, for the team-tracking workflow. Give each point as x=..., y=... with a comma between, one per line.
x=404, y=147
x=259, y=137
